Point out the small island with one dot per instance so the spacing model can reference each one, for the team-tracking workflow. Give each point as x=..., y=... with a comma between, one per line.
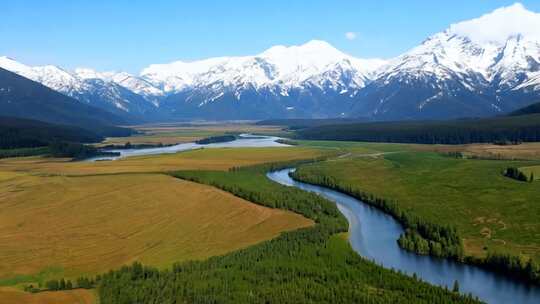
x=216, y=139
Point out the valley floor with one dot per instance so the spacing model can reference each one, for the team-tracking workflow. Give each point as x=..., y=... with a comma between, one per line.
x=66, y=219
x=493, y=213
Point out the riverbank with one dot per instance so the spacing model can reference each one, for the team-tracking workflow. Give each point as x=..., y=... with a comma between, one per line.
x=308, y=265
x=446, y=191
x=373, y=234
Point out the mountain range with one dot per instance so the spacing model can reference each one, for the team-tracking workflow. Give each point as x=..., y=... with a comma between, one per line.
x=23, y=98
x=481, y=67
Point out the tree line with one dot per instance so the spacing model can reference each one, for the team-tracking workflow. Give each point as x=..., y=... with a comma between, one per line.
x=75, y=150
x=216, y=139
x=24, y=133
x=501, y=129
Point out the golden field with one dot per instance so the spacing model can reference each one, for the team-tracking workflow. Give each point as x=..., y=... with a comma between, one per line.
x=169, y=134
x=88, y=225
x=76, y=296
x=65, y=219
x=524, y=151
x=205, y=159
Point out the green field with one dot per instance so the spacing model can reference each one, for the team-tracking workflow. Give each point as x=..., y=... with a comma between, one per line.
x=312, y=265
x=491, y=212
x=109, y=214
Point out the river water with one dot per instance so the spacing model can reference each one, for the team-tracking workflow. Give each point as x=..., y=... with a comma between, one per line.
x=373, y=234
x=244, y=140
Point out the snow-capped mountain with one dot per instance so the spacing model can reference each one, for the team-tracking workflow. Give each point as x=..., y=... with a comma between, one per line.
x=313, y=63
x=313, y=79
x=485, y=66
x=97, y=89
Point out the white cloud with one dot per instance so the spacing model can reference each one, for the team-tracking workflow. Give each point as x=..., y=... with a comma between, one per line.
x=500, y=24
x=350, y=35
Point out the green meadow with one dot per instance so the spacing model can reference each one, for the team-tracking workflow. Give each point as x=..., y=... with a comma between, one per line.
x=491, y=212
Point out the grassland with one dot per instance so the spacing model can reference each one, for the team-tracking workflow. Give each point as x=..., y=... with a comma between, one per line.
x=169, y=134
x=77, y=296
x=491, y=212
x=205, y=159
x=312, y=265
x=65, y=219
x=524, y=151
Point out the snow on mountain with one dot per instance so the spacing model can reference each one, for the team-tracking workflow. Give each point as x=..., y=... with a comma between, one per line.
x=111, y=91
x=286, y=67
x=479, y=67
x=499, y=25
x=487, y=56
x=497, y=46
x=50, y=76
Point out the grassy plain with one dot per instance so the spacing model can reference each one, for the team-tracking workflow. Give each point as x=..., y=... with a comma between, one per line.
x=64, y=219
x=76, y=296
x=492, y=212
x=524, y=151
x=169, y=134
x=205, y=159
x=88, y=225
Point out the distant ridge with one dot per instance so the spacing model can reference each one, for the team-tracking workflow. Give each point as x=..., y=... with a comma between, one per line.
x=27, y=133
x=24, y=98
x=522, y=128
x=532, y=109
x=471, y=69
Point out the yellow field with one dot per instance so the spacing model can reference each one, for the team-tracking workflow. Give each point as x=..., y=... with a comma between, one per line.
x=88, y=225
x=522, y=151
x=172, y=134
x=534, y=170
x=77, y=296
x=206, y=159
x=66, y=219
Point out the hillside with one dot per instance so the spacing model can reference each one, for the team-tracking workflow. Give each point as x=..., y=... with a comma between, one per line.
x=532, y=109
x=305, y=123
x=26, y=133
x=23, y=98
x=510, y=128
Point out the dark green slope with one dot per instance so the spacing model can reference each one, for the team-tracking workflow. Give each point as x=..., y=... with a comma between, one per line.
x=23, y=98
x=26, y=133
x=508, y=128
x=532, y=109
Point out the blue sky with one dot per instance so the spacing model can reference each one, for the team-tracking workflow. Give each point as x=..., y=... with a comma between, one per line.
x=129, y=35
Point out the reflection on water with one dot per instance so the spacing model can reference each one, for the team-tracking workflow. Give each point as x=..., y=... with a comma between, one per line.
x=244, y=140
x=373, y=234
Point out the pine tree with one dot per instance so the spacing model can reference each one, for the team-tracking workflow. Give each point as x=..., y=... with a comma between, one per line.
x=62, y=284
x=456, y=286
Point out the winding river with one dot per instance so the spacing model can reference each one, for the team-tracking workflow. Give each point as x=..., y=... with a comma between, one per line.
x=373, y=235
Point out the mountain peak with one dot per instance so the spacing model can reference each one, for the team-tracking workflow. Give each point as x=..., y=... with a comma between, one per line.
x=316, y=47
x=500, y=25
x=317, y=44
x=11, y=64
